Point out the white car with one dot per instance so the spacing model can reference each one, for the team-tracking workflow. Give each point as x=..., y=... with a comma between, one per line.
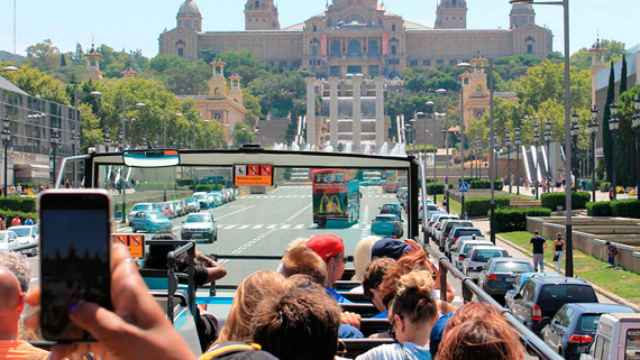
x=7, y=240
x=466, y=246
x=479, y=257
x=27, y=235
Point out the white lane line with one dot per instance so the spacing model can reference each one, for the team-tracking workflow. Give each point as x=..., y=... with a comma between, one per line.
x=285, y=226
x=259, y=226
x=244, y=227
x=272, y=226
x=234, y=212
x=229, y=227
x=299, y=227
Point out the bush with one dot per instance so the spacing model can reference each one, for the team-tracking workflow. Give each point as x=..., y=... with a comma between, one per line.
x=599, y=208
x=486, y=184
x=435, y=188
x=208, y=187
x=626, y=208
x=16, y=203
x=479, y=207
x=515, y=219
x=554, y=201
x=184, y=183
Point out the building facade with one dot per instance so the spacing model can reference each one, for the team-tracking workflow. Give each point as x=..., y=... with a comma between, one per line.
x=37, y=126
x=358, y=37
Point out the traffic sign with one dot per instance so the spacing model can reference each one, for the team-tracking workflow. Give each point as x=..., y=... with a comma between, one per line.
x=134, y=242
x=253, y=175
x=464, y=187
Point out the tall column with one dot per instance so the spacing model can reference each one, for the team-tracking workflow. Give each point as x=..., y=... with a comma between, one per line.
x=333, y=111
x=311, y=112
x=357, y=114
x=380, y=120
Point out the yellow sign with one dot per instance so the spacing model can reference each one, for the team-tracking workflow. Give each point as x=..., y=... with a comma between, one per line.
x=253, y=175
x=134, y=242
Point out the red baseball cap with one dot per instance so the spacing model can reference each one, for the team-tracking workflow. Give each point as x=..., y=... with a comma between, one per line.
x=326, y=246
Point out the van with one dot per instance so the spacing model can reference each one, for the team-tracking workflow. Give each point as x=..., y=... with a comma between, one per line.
x=617, y=338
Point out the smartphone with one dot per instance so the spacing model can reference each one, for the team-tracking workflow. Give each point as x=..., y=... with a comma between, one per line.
x=75, y=251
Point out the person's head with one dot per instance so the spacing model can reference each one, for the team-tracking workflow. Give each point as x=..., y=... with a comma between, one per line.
x=414, y=260
x=477, y=331
x=302, y=260
x=559, y=236
x=299, y=324
x=373, y=279
x=413, y=309
x=11, y=304
x=296, y=243
x=608, y=243
x=253, y=289
x=536, y=233
x=362, y=256
x=19, y=266
x=330, y=247
x=389, y=248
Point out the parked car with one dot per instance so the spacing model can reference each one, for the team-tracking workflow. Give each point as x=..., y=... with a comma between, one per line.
x=200, y=227
x=151, y=222
x=617, y=338
x=542, y=297
x=203, y=200
x=431, y=208
x=456, y=233
x=478, y=258
x=8, y=240
x=499, y=275
x=192, y=205
x=26, y=235
x=394, y=209
x=429, y=225
x=141, y=207
x=438, y=225
x=387, y=225
x=572, y=329
x=521, y=280
x=466, y=246
x=216, y=198
x=446, y=229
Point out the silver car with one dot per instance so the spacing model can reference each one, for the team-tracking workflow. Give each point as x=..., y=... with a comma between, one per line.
x=200, y=227
x=466, y=246
x=475, y=263
x=7, y=240
x=27, y=235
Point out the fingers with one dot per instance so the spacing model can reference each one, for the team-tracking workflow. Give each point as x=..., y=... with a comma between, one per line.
x=101, y=323
x=33, y=297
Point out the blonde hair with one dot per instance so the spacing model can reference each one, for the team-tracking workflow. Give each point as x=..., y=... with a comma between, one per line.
x=362, y=256
x=253, y=289
x=296, y=243
x=413, y=297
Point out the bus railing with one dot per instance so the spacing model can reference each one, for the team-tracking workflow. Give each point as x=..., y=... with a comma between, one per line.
x=469, y=289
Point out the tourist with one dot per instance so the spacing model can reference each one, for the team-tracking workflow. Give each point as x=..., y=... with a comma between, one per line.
x=412, y=313
x=362, y=256
x=299, y=324
x=12, y=302
x=16, y=221
x=390, y=248
x=253, y=289
x=612, y=253
x=539, y=244
x=3, y=223
x=558, y=245
x=371, y=283
x=29, y=220
x=330, y=247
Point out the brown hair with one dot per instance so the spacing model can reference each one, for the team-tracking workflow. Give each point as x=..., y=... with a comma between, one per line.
x=413, y=298
x=414, y=260
x=480, y=331
x=300, y=324
x=254, y=288
x=375, y=274
x=302, y=260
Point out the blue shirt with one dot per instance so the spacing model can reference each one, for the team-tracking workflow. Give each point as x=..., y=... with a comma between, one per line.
x=337, y=297
x=349, y=332
x=405, y=351
x=382, y=315
x=437, y=332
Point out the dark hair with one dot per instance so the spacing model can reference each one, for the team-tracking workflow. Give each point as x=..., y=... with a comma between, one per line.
x=301, y=324
x=375, y=274
x=413, y=298
x=478, y=331
x=302, y=260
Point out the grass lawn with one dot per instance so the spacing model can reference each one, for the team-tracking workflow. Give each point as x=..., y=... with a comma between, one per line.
x=622, y=283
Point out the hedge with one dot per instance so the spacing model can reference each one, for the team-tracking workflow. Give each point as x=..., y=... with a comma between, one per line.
x=554, y=201
x=515, y=219
x=16, y=203
x=599, y=208
x=479, y=207
x=435, y=188
x=7, y=215
x=208, y=187
x=486, y=184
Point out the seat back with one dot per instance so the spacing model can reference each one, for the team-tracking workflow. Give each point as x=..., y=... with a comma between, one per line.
x=374, y=326
x=364, y=310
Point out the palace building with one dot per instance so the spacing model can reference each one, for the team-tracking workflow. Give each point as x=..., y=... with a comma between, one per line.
x=358, y=37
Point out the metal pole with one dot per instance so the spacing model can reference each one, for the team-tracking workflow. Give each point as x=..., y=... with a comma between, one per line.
x=567, y=129
x=492, y=158
x=510, y=176
x=593, y=164
x=446, y=179
x=54, y=162
x=6, y=167
x=517, y=169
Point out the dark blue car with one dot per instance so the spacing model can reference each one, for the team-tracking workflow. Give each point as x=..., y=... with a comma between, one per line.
x=572, y=330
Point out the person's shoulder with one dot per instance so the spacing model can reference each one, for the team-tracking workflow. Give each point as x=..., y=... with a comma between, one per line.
x=31, y=352
x=385, y=351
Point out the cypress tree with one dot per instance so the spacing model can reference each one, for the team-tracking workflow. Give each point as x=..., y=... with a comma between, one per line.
x=625, y=139
x=63, y=61
x=606, y=133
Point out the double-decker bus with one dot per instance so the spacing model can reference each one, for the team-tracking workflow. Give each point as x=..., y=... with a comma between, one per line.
x=336, y=198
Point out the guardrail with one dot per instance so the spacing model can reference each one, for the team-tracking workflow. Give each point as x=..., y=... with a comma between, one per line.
x=470, y=289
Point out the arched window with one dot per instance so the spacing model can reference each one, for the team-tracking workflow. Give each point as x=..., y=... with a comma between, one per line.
x=314, y=47
x=257, y=6
x=180, y=45
x=335, y=48
x=531, y=42
x=355, y=48
x=393, y=27
x=394, y=46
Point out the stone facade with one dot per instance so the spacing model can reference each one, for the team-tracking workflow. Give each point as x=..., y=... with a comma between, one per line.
x=358, y=36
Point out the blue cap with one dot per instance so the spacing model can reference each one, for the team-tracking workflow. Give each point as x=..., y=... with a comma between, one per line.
x=389, y=248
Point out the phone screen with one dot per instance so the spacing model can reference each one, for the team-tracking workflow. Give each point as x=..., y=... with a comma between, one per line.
x=75, y=264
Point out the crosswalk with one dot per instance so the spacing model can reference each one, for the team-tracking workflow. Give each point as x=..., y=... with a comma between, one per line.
x=308, y=196
x=283, y=226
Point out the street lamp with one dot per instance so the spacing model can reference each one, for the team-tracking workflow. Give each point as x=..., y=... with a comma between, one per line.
x=614, y=125
x=635, y=123
x=56, y=140
x=445, y=133
x=6, y=141
x=593, y=131
x=463, y=66
x=547, y=140
x=507, y=145
x=575, y=132
x=536, y=143
x=518, y=143
x=567, y=124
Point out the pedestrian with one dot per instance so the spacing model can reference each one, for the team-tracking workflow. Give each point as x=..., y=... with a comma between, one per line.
x=29, y=221
x=559, y=250
x=3, y=223
x=612, y=253
x=539, y=244
x=16, y=221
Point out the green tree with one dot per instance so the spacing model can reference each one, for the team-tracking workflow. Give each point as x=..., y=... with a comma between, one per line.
x=607, y=139
x=243, y=134
x=92, y=134
x=613, y=51
x=182, y=76
x=625, y=140
x=44, y=55
x=38, y=83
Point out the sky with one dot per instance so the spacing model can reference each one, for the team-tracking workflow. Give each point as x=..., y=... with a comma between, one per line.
x=136, y=24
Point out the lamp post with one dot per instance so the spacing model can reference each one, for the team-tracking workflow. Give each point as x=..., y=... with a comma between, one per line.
x=6, y=141
x=536, y=144
x=445, y=132
x=507, y=145
x=575, y=132
x=614, y=125
x=518, y=144
x=56, y=140
x=464, y=66
x=635, y=123
x=593, y=131
x=547, y=141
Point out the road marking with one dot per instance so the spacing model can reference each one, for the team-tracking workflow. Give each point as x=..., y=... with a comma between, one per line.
x=299, y=227
x=235, y=212
x=259, y=226
x=244, y=227
x=229, y=227
x=271, y=227
x=285, y=226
